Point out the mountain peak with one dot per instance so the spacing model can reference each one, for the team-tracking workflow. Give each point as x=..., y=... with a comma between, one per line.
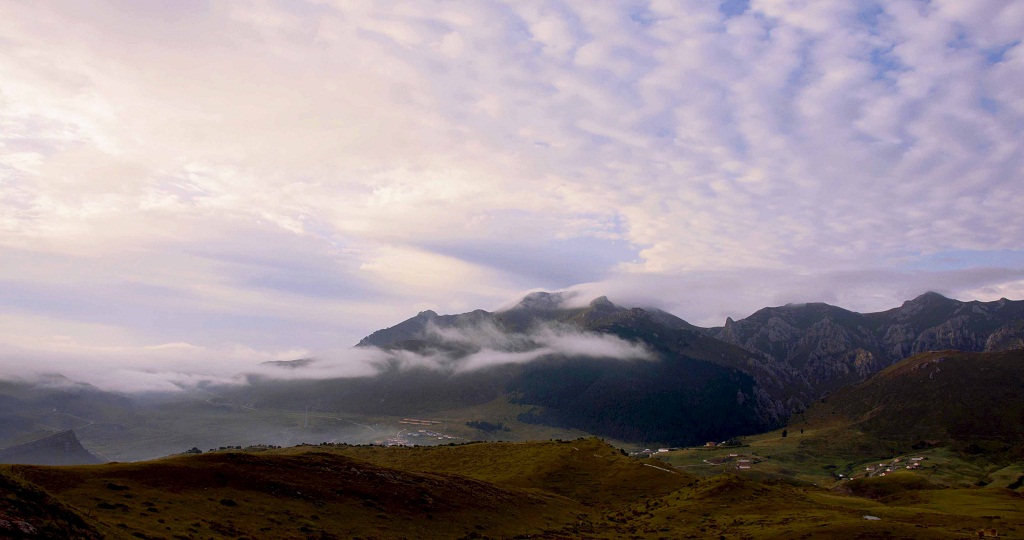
x=541, y=300
x=930, y=296
x=601, y=302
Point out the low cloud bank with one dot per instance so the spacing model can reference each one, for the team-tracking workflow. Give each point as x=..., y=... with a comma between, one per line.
x=178, y=367
x=491, y=346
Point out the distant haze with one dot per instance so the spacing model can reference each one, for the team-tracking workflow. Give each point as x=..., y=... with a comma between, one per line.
x=188, y=189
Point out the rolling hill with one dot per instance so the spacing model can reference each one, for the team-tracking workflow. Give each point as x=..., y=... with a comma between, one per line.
x=556, y=489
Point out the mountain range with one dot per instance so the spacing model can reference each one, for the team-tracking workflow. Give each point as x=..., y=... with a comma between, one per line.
x=631, y=374
x=826, y=347
x=695, y=384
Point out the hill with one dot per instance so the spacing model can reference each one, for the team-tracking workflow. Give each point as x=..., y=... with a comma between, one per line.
x=61, y=448
x=293, y=496
x=586, y=470
x=556, y=489
x=26, y=511
x=973, y=399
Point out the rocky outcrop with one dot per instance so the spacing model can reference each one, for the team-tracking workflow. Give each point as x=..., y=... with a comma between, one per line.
x=1006, y=338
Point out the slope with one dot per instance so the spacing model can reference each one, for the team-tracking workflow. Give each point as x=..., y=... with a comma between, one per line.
x=973, y=399
x=61, y=448
x=555, y=489
x=311, y=494
x=29, y=512
x=586, y=470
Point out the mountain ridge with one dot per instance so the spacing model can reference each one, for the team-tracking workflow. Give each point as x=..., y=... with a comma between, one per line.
x=831, y=347
x=810, y=349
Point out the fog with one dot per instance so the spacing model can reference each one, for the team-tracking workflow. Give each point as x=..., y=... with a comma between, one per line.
x=179, y=367
x=495, y=347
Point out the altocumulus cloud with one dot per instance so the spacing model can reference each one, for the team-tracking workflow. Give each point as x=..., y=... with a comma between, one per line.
x=271, y=177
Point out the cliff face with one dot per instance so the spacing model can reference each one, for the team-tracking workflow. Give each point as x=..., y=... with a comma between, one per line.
x=62, y=448
x=829, y=347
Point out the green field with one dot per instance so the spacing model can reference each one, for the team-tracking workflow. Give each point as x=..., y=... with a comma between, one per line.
x=818, y=455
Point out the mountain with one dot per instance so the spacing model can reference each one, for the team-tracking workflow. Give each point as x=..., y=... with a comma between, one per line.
x=826, y=347
x=972, y=400
x=548, y=366
x=61, y=448
x=558, y=358
x=626, y=373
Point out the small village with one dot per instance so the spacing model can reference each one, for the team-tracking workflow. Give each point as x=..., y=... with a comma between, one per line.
x=740, y=461
x=411, y=437
x=882, y=469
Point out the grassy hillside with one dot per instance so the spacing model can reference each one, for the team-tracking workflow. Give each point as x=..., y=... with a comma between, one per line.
x=26, y=511
x=557, y=489
x=312, y=494
x=973, y=399
x=586, y=470
x=961, y=415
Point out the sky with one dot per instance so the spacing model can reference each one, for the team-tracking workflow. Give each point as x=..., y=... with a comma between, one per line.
x=229, y=182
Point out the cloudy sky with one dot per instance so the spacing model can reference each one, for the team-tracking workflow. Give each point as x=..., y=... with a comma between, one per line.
x=248, y=180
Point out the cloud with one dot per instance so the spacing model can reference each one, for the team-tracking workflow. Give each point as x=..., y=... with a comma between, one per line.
x=178, y=367
x=295, y=175
x=167, y=367
x=707, y=298
x=489, y=345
